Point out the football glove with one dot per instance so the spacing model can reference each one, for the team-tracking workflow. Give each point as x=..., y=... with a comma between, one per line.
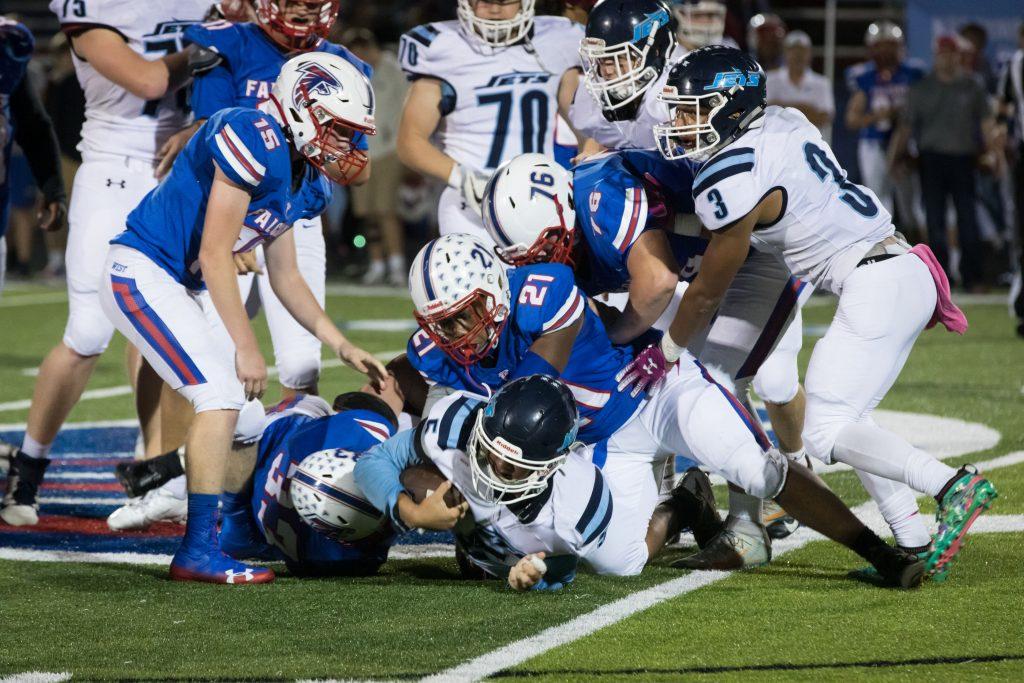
x=471, y=185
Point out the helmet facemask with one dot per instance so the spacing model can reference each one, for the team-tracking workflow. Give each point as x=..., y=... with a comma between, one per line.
x=496, y=32
x=328, y=141
x=525, y=478
x=701, y=23
x=616, y=75
x=300, y=30
x=468, y=330
x=699, y=140
x=553, y=244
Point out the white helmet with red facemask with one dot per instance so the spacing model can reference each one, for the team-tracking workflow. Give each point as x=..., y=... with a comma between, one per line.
x=461, y=296
x=326, y=104
x=297, y=24
x=528, y=211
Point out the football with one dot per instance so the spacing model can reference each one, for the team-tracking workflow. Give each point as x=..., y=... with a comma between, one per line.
x=422, y=480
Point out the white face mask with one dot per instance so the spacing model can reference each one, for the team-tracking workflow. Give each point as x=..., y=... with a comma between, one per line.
x=697, y=141
x=627, y=78
x=496, y=32
x=496, y=488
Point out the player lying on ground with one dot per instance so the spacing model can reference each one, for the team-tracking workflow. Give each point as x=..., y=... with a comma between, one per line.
x=242, y=180
x=613, y=219
x=527, y=488
x=465, y=308
x=290, y=496
x=769, y=179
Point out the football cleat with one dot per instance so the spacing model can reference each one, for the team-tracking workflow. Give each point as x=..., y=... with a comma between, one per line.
x=20, y=503
x=141, y=476
x=896, y=567
x=694, y=501
x=870, y=574
x=213, y=566
x=139, y=514
x=777, y=521
x=967, y=497
x=739, y=546
x=239, y=537
x=7, y=453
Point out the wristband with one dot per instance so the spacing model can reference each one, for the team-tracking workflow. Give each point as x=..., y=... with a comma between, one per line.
x=670, y=349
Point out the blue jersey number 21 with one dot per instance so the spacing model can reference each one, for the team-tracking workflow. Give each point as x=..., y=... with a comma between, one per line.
x=849, y=192
x=533, y=112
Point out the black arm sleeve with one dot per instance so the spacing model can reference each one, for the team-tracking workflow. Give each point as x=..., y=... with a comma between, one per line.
x=34, y=133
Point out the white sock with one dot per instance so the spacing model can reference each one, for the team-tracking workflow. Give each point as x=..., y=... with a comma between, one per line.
x=176, y=487
x=871, y=449
x=898, y=506
x=743, y=506
x=396, y=264
x=33, y=448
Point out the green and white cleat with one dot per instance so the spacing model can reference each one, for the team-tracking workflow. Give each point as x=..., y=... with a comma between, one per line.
x=967, y=497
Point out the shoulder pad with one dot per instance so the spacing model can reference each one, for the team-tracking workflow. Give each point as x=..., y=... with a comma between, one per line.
x=237, y=139
x=450, y=422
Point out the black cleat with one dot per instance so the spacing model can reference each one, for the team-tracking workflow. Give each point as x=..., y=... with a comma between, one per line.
x=141, y=476
x=20, y=503
x=897, y=567
x=694, y=500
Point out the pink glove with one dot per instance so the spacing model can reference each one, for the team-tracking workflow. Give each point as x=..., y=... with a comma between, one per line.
x=646, y=371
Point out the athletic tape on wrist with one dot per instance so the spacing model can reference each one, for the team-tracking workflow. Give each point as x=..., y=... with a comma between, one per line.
x=670, y=349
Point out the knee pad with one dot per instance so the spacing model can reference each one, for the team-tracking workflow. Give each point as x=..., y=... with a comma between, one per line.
x=88, y=334
x=777, y=382
x=766, y=480
x=299, y=371
x=209, y=396
x=820, y=436
x=251, y=421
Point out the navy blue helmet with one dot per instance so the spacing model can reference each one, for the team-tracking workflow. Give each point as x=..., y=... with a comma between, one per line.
x=627, y=44
x=521, y=438
x=714, y=95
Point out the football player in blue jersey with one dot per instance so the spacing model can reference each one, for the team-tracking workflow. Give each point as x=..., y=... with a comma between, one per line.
x=259, y=516
x=242, y=180
x=23, y=118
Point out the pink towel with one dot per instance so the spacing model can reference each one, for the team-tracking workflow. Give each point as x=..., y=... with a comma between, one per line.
x=946, y=312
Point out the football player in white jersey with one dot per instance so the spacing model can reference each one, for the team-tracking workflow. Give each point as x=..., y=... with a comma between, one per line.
x=490, y=85
x=129, y=60
x=769, y=180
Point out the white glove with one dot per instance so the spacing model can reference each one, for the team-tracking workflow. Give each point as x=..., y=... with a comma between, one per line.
x=471, y=185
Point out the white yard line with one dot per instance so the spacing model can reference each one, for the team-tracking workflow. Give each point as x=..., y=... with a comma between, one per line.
x=517, y=652
x=109, y=392
x=37, y=677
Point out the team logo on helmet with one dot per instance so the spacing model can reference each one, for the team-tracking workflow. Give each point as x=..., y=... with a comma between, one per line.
x=644, y=28
x=315, y=80
x=727, y=79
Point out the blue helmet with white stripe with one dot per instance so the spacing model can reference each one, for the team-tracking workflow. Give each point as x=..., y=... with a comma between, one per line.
x=714, y=95
x=324, y=493
x=326, y=105
x=528, y=211
x=460, y=292
x=521, y=438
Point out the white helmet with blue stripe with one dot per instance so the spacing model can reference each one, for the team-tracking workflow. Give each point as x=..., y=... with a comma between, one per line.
x=324, y=493
x=528, y=211
x=461, y=296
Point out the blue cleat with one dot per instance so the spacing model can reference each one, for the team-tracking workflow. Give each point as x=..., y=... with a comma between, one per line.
x=240, y=538
x=213, y=566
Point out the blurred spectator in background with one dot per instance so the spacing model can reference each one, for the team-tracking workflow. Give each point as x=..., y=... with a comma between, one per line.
x=23, y=120
x=65, y=103
x=949, y=117
x=578, y=10
x=765, y=36
x=974, y=57
x=795, y=85
x=375, y=201
x=878, y=91
x=700, y=23
x=1011, y=115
